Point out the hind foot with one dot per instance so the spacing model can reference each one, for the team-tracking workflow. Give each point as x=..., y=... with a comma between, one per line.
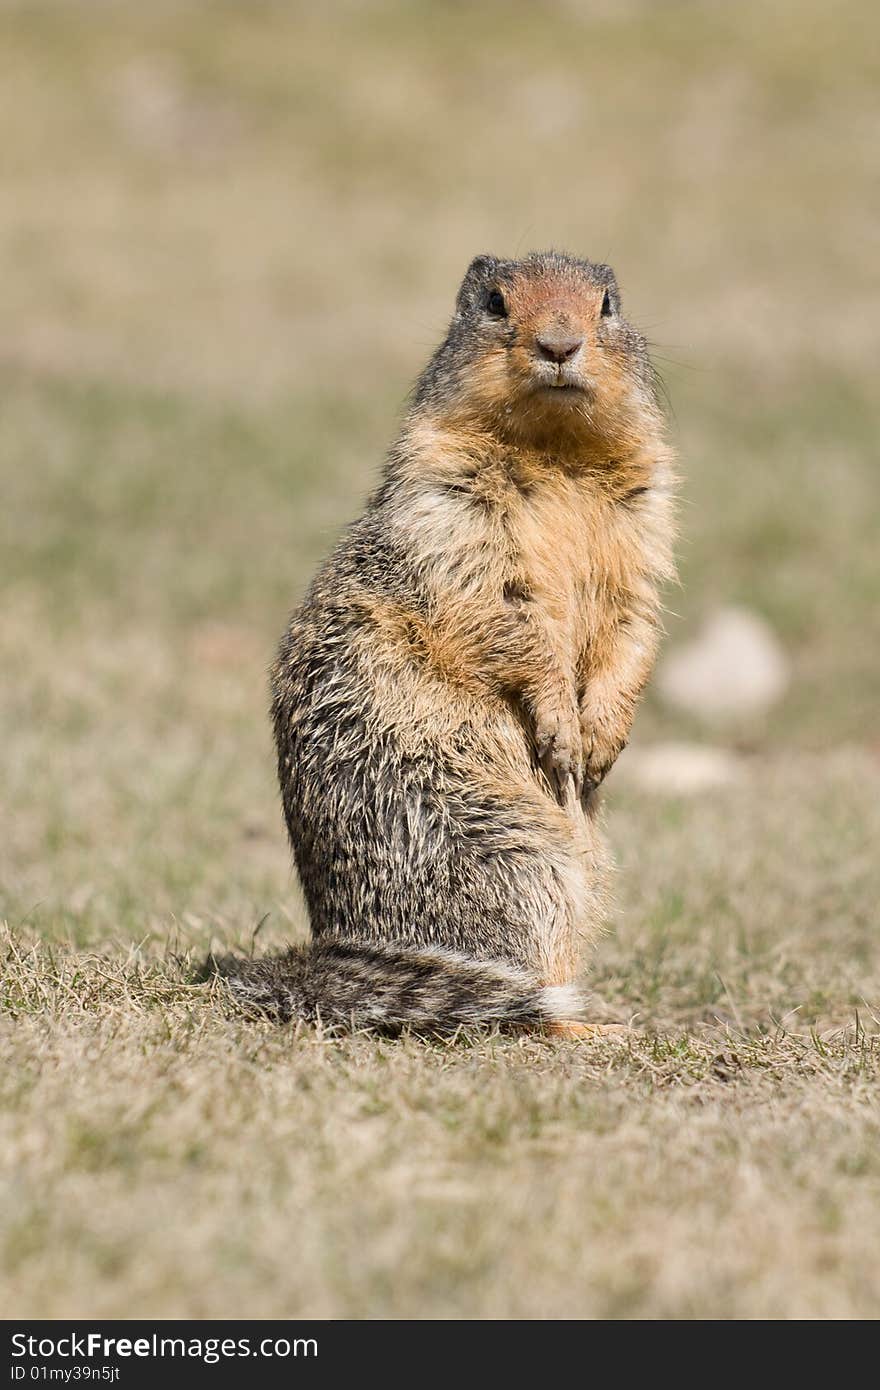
x=567, y=1028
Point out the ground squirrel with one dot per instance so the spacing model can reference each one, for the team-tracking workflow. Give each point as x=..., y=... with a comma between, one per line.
x=464, y=670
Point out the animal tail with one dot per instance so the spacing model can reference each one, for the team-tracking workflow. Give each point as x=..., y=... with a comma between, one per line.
x=349, y=985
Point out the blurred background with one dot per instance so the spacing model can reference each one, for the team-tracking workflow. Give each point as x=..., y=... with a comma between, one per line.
x=230, y=235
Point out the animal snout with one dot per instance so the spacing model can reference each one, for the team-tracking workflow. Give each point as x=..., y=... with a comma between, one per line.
x=557, y=347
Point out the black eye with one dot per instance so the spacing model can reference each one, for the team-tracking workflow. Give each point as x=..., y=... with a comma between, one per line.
x=607, y=306
x=495, y=304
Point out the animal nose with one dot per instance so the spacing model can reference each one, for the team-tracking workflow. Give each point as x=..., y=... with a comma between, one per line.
x=557, y=347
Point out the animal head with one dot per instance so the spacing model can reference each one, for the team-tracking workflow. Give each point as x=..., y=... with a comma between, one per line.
x=539, y=350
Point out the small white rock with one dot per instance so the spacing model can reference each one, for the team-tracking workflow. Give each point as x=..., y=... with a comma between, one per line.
x=679, y=769
x=734, y=667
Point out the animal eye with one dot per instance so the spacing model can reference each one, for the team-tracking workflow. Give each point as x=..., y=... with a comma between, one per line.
x=495, y=304
x=607, y=306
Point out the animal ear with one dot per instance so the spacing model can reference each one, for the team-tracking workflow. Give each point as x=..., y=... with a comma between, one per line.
x=608, y=280
x=478, y=272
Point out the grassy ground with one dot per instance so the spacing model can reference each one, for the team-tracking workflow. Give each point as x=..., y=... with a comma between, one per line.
x=229, y=236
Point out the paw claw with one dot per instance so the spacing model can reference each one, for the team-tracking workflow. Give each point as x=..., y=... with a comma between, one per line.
x=557, y=744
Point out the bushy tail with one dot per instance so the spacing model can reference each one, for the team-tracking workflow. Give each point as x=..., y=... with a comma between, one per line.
x=350, y=985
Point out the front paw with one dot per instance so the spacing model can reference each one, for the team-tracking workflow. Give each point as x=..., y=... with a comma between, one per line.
x=559, y=748
x=600, y=753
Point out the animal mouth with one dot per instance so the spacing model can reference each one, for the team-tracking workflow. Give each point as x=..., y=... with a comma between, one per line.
x=562, y=385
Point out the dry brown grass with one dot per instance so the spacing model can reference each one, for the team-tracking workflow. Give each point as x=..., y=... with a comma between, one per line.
x=171, y=1158
x=229, y=237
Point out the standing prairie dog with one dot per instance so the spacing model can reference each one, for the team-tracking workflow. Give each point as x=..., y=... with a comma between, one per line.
x=464, y=670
